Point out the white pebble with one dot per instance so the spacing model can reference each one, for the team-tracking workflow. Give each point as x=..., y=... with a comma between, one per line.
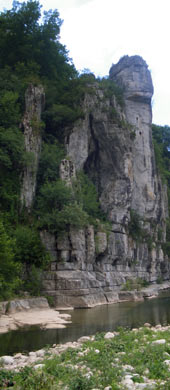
x=167, y=362
x=41, y=352
x=39, y=366
x=147, y=325
x=128, y=383
x=141, y=386
x=127, y=367
x=32, y=354
x=83, y=339
x=161, y=341
x=7, y=360
x=158, y=326
x=109, y=335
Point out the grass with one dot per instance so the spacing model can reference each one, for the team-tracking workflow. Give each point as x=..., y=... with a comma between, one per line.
x=100, y=363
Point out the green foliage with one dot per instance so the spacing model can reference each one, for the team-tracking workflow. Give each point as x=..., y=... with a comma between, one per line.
x=6, y=378
x=20, y=29
x=9, y=269
x=161, y=137
x=29, y=379
x=56, y=208
x=61, y=115
x=50, y=159
x=166, y=245
x=29, y=248
x=134, y=226
x=9, y=109
x=72, y=214
x=59, y=206
x=51, y=300
x=12, y=155
x=30, y=52
x=86, y=195
x=79, y=382
x=33, y=282
x=53, y=196
x=59, y=220
x=134, y=284
x=111, y=89
x=11, y=148
x=137, y=231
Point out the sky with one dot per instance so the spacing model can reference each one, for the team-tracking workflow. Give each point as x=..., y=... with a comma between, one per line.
x=98, y=32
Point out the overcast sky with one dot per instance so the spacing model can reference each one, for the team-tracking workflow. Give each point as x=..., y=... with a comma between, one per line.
x=98, y=32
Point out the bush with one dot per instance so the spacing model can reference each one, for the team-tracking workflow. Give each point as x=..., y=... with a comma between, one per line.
x=29, y=247
x=135, y=230
x=50, y=158
x=74, y=215
x=9, y=269
x=134, y=284
x=59, y=205
x=6, y=379
x=29, y=379
x=86, y=195
x=53, y=196
x=33, y=283
x=111, y=89
x=57, y=221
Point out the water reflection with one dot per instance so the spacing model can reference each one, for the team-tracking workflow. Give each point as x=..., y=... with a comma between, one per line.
x=87, y=322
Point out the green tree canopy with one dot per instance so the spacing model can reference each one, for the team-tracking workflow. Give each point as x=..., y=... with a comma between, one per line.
x=27, y=39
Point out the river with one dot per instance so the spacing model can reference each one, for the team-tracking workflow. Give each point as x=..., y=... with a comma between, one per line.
x=88, y=322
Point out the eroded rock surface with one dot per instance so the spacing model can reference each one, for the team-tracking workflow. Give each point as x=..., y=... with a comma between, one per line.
x=113, y=145
x=34, y=104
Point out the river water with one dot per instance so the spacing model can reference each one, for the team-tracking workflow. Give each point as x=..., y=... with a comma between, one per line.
x=88, y=322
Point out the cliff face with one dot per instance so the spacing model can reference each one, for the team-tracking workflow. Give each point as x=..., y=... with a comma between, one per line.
x=34, y=103
x=133, y=75
x=113, y=145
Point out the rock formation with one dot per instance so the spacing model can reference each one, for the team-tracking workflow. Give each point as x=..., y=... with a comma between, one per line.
x=113, y=145
x=34, y=102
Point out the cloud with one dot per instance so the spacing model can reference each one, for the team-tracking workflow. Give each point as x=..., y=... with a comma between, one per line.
x=5, y=4
x=64, y=5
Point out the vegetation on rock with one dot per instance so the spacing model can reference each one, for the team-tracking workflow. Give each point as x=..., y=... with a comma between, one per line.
x=30, y=52
x=161, y=139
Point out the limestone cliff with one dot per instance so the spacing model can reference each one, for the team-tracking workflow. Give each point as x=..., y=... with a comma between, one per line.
x=113, y=145
x=34, y=103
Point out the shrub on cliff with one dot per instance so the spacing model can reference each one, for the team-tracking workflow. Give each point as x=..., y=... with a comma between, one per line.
x=29, y=248
x=86, y=195
x=59, y=206
x=161, y=138
x=50, y=158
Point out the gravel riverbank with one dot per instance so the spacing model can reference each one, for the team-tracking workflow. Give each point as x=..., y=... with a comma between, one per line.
x=131, y=360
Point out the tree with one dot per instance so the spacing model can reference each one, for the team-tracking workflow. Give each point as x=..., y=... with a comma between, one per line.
x=86, y=195
x=9, y=269
x=161, y=138
x=24, y=40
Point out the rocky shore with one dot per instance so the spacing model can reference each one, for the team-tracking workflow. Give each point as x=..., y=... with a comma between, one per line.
x=137, y=359
x=26, y=312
